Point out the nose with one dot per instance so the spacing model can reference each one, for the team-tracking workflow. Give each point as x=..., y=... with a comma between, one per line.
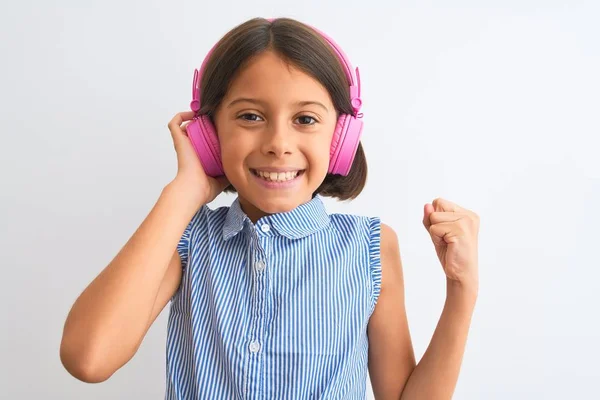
x=277, y=140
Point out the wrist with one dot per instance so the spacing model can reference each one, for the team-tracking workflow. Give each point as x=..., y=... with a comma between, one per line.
x=462, y=291
x=186, y=197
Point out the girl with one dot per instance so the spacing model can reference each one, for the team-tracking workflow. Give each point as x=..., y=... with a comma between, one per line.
x=272, y=297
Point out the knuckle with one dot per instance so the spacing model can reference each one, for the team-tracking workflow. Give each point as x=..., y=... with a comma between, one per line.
x=467, y=224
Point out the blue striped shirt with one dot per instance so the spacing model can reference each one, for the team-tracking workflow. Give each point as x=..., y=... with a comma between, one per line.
x=273, y=310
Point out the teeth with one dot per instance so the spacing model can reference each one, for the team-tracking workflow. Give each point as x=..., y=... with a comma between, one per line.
x=277, y=176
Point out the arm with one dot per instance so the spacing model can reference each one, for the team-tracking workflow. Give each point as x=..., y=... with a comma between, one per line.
x=110, y=318
x=436, y=375
x=391, y=363
x=454, y=233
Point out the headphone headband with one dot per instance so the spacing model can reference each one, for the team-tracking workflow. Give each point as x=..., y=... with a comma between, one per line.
x=354, y=79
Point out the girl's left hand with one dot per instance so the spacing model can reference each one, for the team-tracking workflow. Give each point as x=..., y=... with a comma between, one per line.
x=454, y=232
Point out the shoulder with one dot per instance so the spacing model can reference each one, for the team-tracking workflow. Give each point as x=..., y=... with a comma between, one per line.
x=381, y=237
x=391, y=263
x=205, y=221
x=376, y=228
x=389, y=241
x=346, y=223
x=206, y=214
x=383, y=245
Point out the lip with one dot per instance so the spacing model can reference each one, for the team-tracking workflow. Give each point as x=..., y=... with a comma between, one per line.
x=277, y=169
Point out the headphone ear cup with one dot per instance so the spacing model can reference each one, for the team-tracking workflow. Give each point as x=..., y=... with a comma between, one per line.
x=344, y=144
x=204, y=139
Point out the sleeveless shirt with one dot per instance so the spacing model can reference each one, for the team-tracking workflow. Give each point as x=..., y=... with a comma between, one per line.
x=273, y=310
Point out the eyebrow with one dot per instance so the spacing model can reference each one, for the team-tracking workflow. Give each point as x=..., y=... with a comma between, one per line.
x=262, y=103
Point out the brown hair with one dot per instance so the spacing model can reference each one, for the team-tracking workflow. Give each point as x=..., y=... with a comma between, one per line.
x=302, y=47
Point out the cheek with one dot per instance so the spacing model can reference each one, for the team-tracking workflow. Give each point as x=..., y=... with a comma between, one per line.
x=318, y=155
x=233, y=146
x=233, y=153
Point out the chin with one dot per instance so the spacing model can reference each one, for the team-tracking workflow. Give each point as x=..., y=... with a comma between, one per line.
x=277, y=204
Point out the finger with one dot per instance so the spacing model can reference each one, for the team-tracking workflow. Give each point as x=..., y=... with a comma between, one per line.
x=441, y=204
x=437, y=217
x=443, y=233
x=179, y=118
x=184, y=127
x=428, y=209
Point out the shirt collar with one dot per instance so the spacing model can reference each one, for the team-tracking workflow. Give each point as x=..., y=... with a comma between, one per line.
x=300, y=222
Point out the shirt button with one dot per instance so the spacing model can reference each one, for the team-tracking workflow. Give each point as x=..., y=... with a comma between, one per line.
x=265, y=228
x=254, y=346
x=260, y=265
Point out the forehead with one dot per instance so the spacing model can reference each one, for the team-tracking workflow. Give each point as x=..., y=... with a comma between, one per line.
x=270, y=77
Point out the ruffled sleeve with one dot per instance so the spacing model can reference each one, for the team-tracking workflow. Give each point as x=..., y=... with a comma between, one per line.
x=184, y=245
x=375, y=257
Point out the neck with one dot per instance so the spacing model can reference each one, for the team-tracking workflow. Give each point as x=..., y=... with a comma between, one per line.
x=253, y=212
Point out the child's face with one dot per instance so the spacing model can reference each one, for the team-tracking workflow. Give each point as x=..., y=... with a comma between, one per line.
x=278, y=121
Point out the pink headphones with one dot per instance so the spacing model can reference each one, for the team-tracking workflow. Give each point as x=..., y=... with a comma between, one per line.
x=345, y=140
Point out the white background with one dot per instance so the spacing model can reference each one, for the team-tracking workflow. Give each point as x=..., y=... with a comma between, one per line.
x=492, y=105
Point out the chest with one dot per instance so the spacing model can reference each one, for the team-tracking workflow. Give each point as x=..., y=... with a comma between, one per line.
x=297, y=295
x=273, y=317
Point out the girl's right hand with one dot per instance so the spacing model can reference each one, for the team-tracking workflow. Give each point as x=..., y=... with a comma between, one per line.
x=190, y=175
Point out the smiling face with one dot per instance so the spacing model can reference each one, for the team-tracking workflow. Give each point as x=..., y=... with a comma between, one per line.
x=275, y=127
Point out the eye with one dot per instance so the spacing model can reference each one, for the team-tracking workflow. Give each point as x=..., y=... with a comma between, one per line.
x=306, y=120
x=251, y=117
